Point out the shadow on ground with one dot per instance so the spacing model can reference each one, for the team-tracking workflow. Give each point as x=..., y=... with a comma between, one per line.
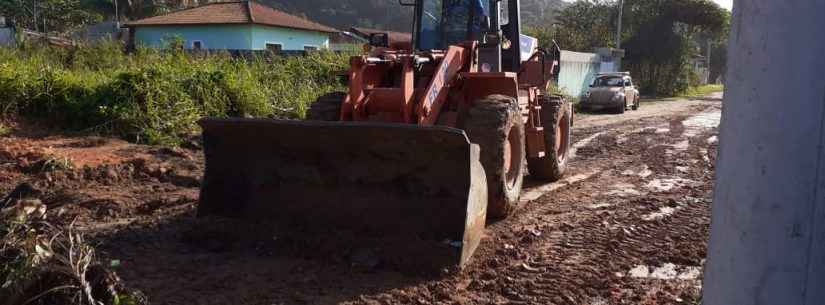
x=187, y=260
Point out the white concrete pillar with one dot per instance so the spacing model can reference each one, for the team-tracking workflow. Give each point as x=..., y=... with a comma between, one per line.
x=767, y=243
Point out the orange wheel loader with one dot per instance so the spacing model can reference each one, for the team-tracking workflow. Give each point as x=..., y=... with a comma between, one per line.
x=432, y=139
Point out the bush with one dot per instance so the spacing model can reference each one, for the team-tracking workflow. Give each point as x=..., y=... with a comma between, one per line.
x=155, y=96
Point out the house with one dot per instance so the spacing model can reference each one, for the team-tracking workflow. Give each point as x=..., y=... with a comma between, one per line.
x=346, y=41
x=242, y=26
x=6, y=33
x=107, y=30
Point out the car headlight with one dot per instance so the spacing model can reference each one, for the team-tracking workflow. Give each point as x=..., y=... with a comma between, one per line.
x=587, y=94
x=618, y=97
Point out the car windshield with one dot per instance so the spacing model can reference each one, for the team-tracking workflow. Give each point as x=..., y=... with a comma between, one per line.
x=447, y=22
x=609, y=82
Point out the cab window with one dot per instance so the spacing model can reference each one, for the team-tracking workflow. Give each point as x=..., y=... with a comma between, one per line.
x=448, y=22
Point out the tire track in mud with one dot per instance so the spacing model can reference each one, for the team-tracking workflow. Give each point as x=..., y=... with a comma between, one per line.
x=605, y=243
x=578, y=242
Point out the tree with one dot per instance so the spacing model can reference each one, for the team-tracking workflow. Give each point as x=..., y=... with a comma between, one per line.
x=660, y=37
x=56, y=16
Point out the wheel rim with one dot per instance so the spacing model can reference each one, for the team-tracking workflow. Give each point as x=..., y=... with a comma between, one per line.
x=513, y=154
x=562, y=139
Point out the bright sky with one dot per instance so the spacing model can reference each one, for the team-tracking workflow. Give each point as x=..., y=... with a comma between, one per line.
x=728, y=4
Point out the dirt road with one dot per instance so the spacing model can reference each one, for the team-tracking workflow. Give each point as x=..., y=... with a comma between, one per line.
x=627, y=226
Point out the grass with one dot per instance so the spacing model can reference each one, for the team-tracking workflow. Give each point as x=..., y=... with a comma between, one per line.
x=43, y=263
x=4, y=130
x=703, y=90
x=154, y=96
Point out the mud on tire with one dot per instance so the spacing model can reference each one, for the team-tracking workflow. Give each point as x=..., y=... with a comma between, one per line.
x=555, y=113
x=326, y=108
x=495, y=124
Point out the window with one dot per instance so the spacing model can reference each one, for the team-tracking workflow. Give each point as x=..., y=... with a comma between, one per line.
x=609, y=82
x=310, y=48
x=197, y=45
x=447, y=22
x=274, y=47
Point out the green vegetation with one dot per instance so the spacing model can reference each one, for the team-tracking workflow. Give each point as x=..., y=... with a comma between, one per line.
x=45, y=263
x=63, y=16
x=703, y=90
x=153, y=96
x=661, y=37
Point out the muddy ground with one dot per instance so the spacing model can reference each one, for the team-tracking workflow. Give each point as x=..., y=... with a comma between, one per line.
x=628, y=225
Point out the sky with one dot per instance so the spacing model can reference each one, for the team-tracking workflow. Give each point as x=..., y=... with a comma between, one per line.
x=728, y=4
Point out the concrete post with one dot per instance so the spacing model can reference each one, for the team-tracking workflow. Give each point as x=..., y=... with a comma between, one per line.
x=767, y=243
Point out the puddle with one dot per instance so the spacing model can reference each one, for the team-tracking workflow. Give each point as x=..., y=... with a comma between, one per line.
x=537, y=192
x=623, y=190
x=584, y=142
x=682, y=169
x=705, y=157
x=662, y=213
x=624, y=193
x=644, y=172
x=598, y=206
x=667, y=271
x=664, y=185
x=700, y=122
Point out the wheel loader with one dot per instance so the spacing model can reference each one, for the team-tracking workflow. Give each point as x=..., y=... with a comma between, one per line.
x=432, y=139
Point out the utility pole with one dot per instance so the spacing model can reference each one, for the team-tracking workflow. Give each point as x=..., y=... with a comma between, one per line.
x=34, y=14
x=707, y=62
x=767, y=239
x=619, y=25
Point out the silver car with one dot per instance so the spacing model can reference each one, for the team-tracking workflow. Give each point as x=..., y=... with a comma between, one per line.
x=611, y=91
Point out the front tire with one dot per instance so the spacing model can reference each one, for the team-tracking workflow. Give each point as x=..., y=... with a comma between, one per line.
x=556, y=117
x=636, y=104
x=495, y=124
x=622, y=108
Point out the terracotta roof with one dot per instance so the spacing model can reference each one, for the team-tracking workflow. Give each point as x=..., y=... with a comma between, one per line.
x=243, y=12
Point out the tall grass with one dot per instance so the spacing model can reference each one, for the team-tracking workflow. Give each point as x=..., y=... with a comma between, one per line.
x=154, y=96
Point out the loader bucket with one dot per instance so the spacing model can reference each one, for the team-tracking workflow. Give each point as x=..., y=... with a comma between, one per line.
x=416, y=194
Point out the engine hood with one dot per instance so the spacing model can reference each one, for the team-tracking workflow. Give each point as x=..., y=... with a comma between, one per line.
x=604, y=94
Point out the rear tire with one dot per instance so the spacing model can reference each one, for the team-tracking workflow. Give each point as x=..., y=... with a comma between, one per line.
x=327, y=107
x=556, y=115
x=495, y=124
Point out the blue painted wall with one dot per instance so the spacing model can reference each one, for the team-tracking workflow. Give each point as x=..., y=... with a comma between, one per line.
x=232, y=37
x=290, y=39
x=215, y=37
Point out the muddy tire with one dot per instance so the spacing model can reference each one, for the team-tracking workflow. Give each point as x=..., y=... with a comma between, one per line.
x=636, y=104
x=495, y=124
x=557, y=118
x=622, y=108
x=326, y=108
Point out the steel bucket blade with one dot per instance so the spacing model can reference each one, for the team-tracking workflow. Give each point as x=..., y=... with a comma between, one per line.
x=421, y=190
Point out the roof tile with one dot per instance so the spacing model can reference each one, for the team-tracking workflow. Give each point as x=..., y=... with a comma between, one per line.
x=243, y=12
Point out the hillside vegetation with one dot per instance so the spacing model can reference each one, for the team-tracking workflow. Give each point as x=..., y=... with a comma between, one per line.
x=154, y=96
x=62, y=16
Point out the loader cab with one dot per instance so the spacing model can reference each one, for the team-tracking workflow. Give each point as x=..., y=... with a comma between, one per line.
x=496, y=24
